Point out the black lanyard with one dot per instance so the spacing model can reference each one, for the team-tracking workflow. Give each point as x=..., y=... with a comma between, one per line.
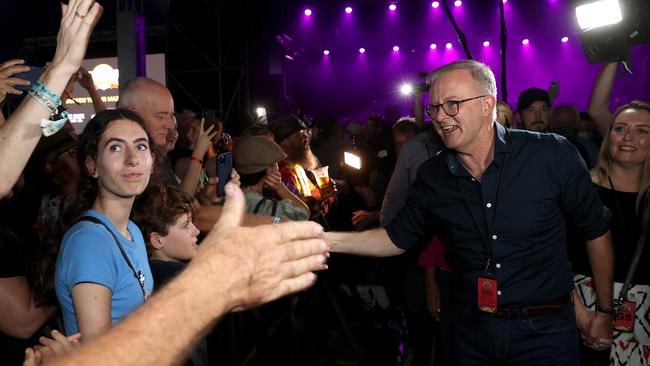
x=486, y=239
x=139, y=276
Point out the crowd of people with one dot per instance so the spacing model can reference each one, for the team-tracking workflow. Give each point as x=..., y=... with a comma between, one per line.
x=518, y=236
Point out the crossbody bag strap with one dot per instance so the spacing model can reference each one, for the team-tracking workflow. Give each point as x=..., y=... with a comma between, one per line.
x=139, y=276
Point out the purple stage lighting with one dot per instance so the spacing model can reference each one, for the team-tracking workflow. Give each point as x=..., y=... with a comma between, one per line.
x=565, y=39
x=348, y=10
x=288, y=57
x=435, y=4
x=395, y=48
x=525, y=41
x=448, y=45
x=326, y=52
x=505, y=1
x=458, y=3
x=308, y=12
x=486, y=43
x=433, y=46
x=362, y=50
x=392, y=7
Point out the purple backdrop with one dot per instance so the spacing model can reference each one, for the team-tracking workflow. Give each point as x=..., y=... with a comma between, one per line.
x=351, y=85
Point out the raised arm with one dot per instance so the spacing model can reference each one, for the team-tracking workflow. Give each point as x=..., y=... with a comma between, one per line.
x=22, y=130
x=600, y=98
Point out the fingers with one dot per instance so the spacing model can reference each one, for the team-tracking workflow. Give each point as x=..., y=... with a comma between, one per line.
x=30, y=358
x=233, y=209
x=295, y=284
x=296, y=230
x=300, y=249
x=301, y=266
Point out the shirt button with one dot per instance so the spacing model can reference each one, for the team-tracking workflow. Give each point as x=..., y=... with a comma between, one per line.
x=498, y=265
x=488, y=205
x=499, y=292
x=494, y=237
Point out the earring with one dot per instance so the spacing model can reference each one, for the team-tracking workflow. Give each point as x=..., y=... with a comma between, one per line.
x=95, y=175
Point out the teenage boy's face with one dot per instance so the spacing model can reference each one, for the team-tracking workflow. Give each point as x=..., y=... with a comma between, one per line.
x=180, y=242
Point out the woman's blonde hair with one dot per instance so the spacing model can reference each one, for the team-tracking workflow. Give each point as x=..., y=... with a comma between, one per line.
x=603, y=168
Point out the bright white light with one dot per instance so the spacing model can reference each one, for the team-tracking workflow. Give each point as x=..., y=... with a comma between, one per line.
x=352, y=160
x=525, y=41
x=565, y=39
x=308, y=12
x=260, y=111
x=448, y=46
x=458, y=3
x=433, y=46
x=406, y=89
x=392, y=7
x=505, y=1
x=598, y=14
x=326, y=52
x=395, y=48
x=486, y=43
x=362, y=50
x=435, y=4
x=348, y=10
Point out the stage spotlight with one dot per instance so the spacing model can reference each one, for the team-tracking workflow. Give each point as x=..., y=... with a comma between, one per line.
x=362, y=50
x=392, y=7
x=598, y=14
x=308, y=12
x=565, y=39
x=486, y=43
x=448, y=45
x=435, y=4
x=458, y=3
x=326, y=52
x=525, y=41
x=611, y=27
x=348, y=10
x=406, y=89
x=433, y=46
x=395, y=48
x=505, y=1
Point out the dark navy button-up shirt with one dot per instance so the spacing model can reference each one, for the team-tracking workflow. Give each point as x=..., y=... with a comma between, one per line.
x=545, y=186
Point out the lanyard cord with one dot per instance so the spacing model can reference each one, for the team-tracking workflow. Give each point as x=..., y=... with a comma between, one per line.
x=486, y=241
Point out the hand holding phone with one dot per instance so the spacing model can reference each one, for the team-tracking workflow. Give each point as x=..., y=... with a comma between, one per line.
x=209, y=117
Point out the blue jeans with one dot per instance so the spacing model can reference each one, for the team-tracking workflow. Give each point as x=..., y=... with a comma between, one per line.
x=479, y=338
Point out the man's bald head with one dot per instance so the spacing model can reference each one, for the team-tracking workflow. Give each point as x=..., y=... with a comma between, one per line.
x=154, y=103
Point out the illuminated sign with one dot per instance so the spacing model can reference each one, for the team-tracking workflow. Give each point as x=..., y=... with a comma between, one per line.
x=105, y=77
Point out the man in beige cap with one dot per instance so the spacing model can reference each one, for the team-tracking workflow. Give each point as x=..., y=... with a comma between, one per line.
x=256, y=159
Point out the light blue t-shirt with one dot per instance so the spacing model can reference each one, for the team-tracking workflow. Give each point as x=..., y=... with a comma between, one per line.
x=89, y=254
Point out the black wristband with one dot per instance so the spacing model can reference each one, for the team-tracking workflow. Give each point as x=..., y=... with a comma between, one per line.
x=602, y=309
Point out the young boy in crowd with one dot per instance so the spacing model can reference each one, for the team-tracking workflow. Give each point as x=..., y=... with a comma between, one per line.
x=164, y=215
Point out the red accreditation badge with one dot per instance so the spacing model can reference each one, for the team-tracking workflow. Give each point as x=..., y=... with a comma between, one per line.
x=487, y=294
x=624, y=318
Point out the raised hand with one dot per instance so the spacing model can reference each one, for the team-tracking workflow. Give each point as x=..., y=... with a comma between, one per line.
x=8, y=81
x=261, y=264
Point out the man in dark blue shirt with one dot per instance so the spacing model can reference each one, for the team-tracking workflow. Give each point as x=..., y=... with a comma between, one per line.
x=504, y=198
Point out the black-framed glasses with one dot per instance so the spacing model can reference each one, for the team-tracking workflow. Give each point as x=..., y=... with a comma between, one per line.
x=450, y=107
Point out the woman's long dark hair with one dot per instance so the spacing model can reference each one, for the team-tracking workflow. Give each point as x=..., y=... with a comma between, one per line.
x=48, y=248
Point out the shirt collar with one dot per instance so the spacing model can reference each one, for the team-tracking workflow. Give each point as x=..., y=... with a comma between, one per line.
x=501, y=146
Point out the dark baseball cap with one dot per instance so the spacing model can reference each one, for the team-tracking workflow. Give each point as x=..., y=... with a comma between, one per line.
x=284, y=126
x=532, y=95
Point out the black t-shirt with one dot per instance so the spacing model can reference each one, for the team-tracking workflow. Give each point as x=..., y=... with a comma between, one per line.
x=164, y=271
x=625, y=228
x=12, y=264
